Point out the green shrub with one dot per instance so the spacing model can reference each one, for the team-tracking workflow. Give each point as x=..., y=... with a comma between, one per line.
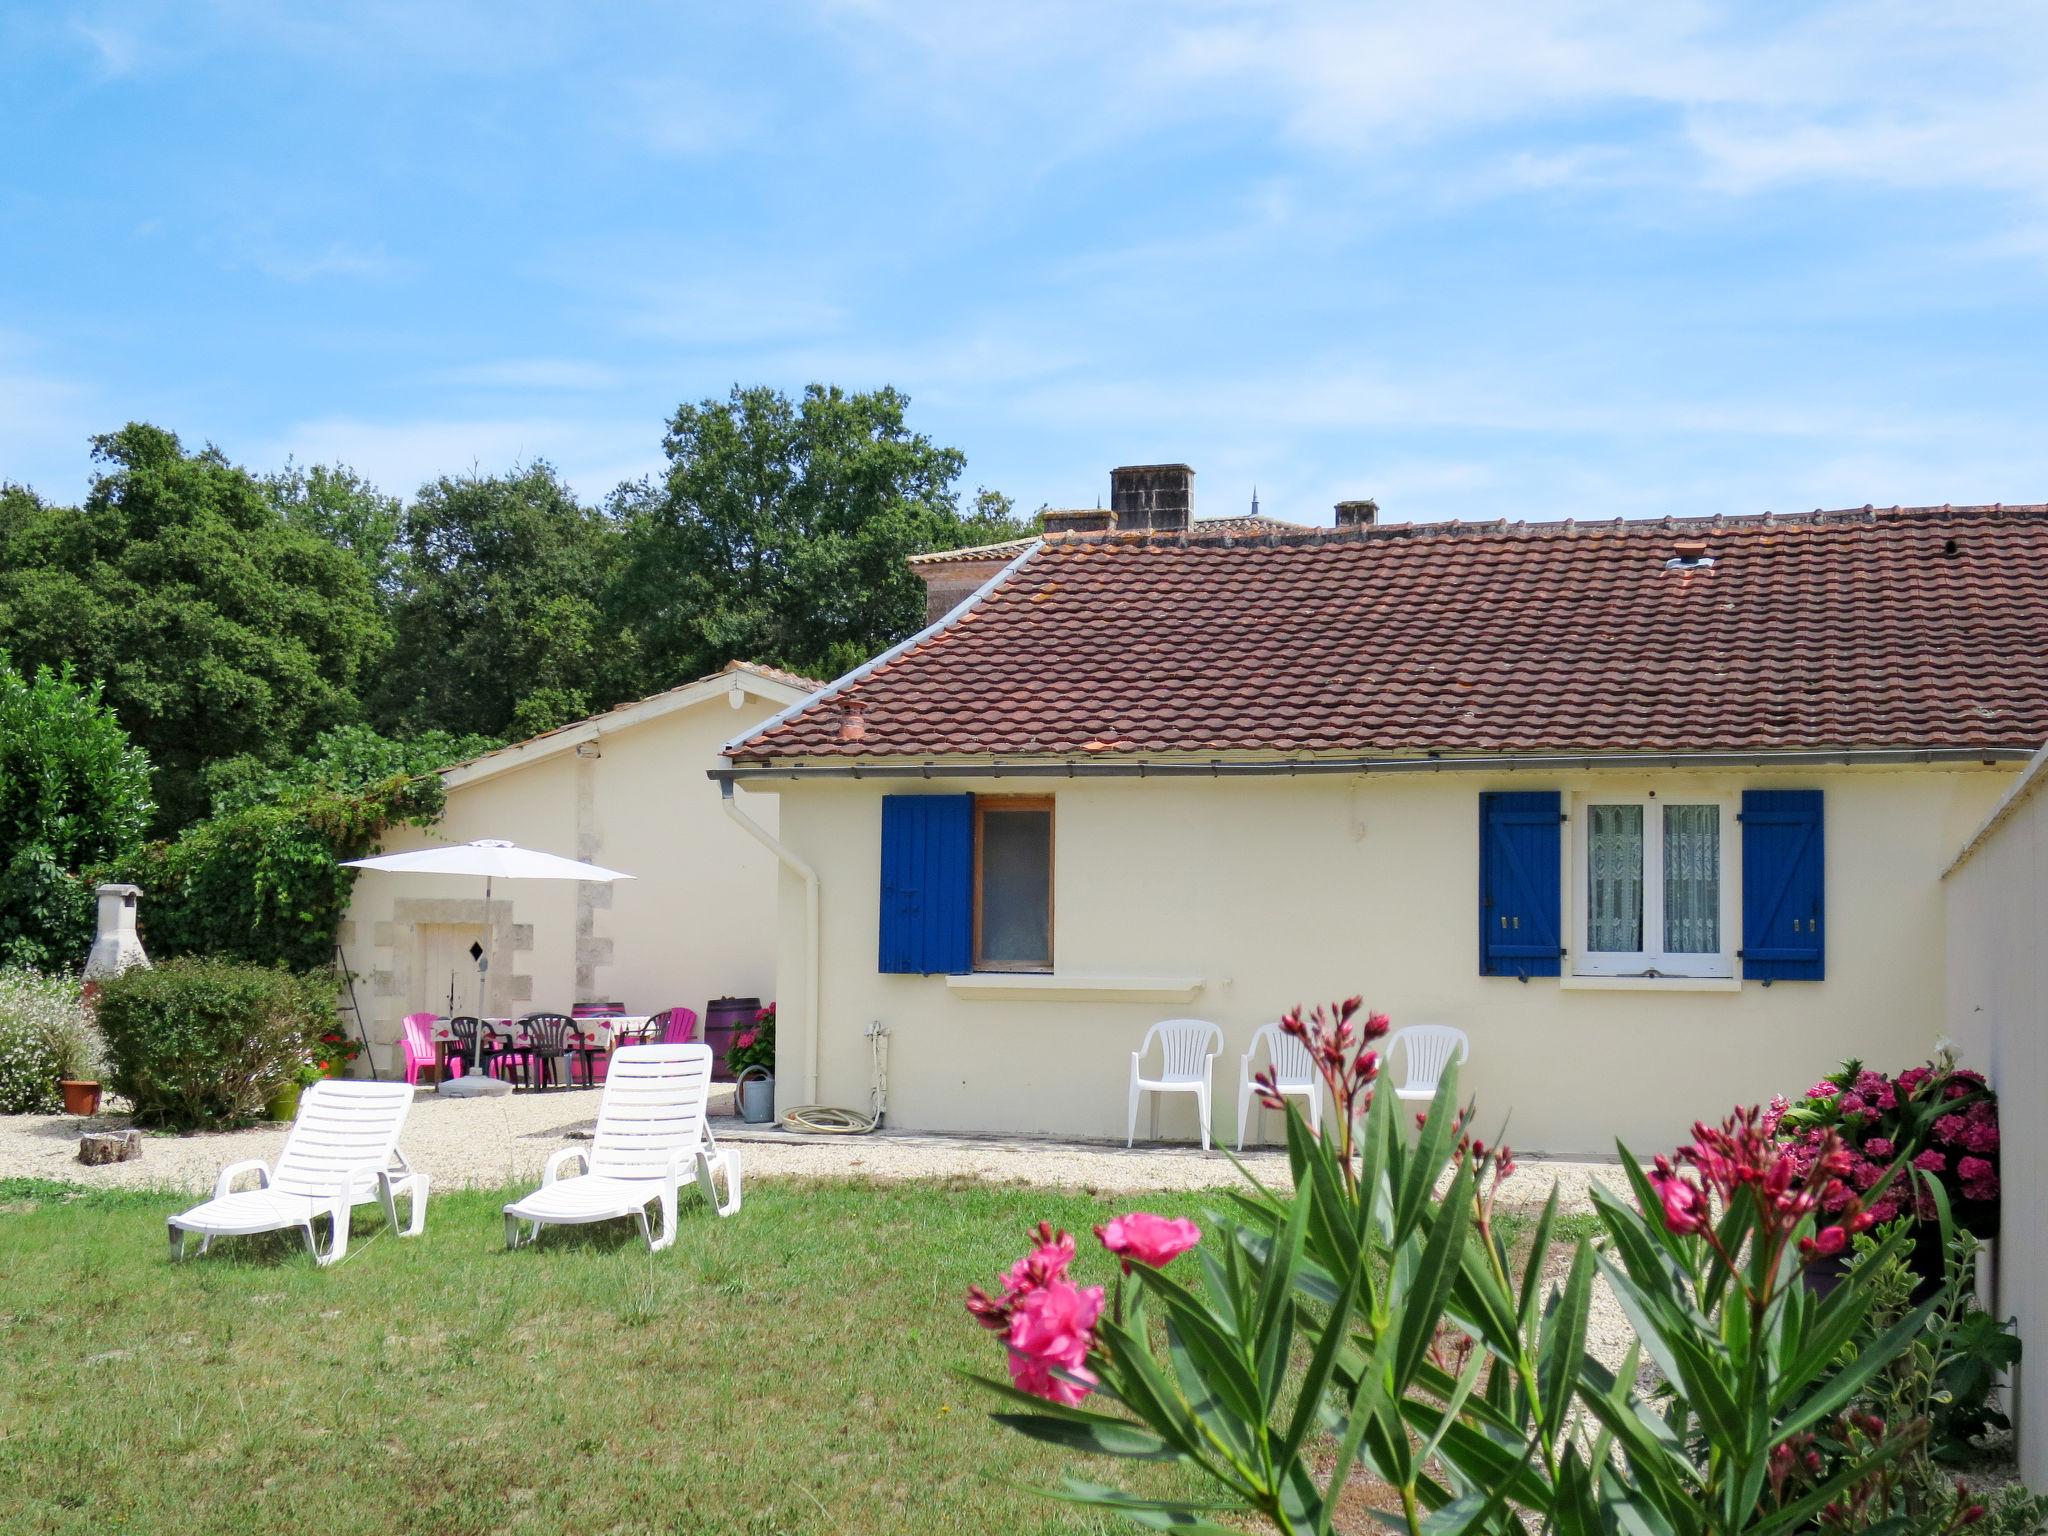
x=202, y=1043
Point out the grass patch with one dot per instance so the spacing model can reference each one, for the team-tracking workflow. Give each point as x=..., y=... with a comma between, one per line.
x=787, y=1370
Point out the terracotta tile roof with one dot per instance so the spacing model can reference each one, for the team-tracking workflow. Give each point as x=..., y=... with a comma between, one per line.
x=1202, y=528
x=1911, y=627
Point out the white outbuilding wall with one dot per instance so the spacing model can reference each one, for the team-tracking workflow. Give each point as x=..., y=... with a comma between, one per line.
x=626, y=790
x=1998, y=1013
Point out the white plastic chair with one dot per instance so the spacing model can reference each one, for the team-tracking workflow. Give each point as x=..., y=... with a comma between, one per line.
x=650, y=1128
x=1425, y=1052
x=342, y=1152
x=1188, y=1050
x=1294, y=1075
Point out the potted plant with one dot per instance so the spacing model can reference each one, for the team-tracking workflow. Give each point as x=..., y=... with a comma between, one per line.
x=751, y=1061
x=337, y=1051
x=283, y=1103
x=77, y=1055
x=1939, y=1119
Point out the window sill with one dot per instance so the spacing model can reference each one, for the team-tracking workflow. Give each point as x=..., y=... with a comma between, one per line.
x=1570, y=983
x=1039, y=987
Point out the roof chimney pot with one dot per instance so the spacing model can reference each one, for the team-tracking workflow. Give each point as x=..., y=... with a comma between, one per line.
x=1152, y=496
x=1357, y=514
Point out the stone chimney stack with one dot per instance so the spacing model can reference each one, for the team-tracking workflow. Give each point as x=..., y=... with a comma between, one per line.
x=1077, y=520
x=1357, y=514
x=116, y=947
x=1152, y=496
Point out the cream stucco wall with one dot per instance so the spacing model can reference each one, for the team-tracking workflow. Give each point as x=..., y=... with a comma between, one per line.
x=1998, y=1013
x=1272, y=891
x=696, y=922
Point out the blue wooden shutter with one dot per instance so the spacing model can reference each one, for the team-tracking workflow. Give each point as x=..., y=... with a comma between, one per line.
x=1520, y=845
x=927, y=884
x=1784, y=888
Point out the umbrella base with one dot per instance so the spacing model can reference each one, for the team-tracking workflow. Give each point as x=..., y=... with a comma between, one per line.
x=474, y=1086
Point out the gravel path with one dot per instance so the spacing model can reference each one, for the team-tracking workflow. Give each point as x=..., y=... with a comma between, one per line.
x=493, y=1142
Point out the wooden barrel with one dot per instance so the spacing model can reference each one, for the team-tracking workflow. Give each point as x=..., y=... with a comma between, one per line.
x=725, y=1017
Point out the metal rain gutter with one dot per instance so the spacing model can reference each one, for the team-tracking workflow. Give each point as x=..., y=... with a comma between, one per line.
x=809, y=876
x=1550, y=762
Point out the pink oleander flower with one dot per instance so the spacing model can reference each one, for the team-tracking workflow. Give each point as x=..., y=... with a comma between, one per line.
x=1685, y=1204
x=1824, y=1243
x=1151, y=1240
x=1879, y=1147
x=1931, y=1161
x=1053, y=1327
x=744, y=1040
x=1047, y=1261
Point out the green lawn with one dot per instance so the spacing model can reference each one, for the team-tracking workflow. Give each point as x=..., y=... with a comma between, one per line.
x=784, y=1370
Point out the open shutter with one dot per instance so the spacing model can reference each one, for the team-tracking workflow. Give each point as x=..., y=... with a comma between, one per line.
x=927, y=879
x=1784, y=888
x=1520, y=846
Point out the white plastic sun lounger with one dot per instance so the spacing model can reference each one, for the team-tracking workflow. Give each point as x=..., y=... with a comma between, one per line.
x=342, y=1152
x=650, y=1129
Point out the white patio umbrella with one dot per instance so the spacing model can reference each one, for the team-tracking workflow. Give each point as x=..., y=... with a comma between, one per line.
x=494, y=859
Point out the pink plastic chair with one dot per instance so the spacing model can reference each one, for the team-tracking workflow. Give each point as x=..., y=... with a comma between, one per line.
x=417, y=1036
x=675, y=1026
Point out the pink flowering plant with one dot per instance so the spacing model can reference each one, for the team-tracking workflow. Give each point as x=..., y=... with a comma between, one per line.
x=1374, y=1318
x=1940, y=1119
x=753, y=1046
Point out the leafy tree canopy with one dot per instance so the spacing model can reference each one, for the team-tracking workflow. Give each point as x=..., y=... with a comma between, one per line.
x=216, y=625
x=498, y=626
x=347, y=760
x=780, y=533
x=74, y=792
x=340, y=506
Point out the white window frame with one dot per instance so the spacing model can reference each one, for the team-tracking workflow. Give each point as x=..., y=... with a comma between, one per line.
x=1586, y=961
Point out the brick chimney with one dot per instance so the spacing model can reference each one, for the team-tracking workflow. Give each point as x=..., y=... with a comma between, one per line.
x=1077, y=519
x=1158, y=496
x=1357, y=514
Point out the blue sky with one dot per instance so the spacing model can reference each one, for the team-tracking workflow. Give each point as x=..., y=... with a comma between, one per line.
x=1531, y=260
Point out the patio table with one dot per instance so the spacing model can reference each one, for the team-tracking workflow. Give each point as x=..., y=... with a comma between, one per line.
x=611, y=1025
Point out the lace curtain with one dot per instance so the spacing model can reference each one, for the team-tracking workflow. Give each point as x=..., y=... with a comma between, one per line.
x=1692, y=879
x=1614, y=877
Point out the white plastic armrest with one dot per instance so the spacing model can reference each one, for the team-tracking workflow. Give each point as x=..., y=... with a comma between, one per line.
x=553, y=1170
x=681, y=1158
x=223, y=1185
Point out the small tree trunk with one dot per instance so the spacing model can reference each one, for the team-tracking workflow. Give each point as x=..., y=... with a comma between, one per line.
x=97, y=1147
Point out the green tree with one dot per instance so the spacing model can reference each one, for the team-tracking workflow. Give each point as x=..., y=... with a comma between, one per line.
x=74, y=792
x=217, y=626
x=346, y=760
x=780, y=533
x=347, y=511
x=498, y=626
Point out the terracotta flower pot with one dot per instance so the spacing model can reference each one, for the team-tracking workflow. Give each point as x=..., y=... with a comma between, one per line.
x=80, y=1098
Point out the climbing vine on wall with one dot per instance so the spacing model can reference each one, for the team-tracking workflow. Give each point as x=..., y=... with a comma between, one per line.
x=266, y=884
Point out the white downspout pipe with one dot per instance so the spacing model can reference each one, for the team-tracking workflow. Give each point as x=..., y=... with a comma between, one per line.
x=790, y=861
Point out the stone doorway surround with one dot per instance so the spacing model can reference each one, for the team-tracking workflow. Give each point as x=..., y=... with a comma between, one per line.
x=392, y=987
